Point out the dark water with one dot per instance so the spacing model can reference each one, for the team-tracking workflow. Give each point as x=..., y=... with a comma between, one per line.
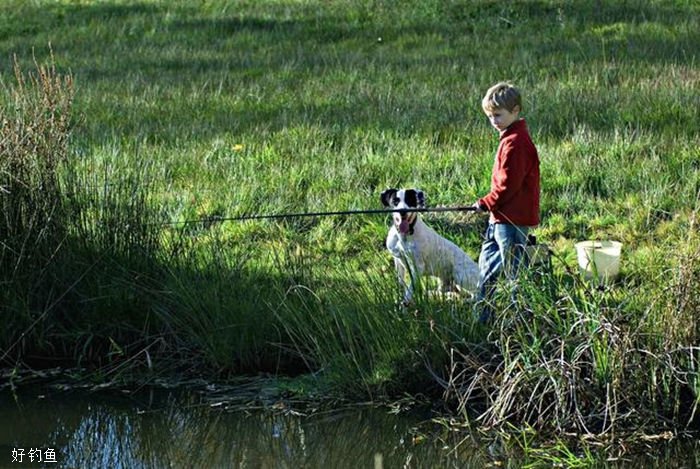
x=164, y=429
x=167, y=429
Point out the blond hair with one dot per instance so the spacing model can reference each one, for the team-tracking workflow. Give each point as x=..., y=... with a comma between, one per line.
x=502, y=96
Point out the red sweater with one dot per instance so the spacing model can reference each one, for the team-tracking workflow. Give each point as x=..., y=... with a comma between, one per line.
x=515, y=179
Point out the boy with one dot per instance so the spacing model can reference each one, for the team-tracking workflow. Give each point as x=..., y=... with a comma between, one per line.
x=514, y=199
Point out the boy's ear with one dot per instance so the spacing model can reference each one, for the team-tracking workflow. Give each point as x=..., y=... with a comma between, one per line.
x=516, y=109
x=386, y=196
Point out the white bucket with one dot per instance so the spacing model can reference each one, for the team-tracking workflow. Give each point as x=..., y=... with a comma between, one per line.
x=599, y=259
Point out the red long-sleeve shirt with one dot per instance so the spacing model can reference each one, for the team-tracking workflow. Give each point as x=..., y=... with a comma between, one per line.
x=515, y=179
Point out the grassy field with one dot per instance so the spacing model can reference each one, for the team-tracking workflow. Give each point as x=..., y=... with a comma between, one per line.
x=190, y=110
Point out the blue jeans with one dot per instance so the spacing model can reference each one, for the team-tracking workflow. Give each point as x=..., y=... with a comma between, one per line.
x=501, y=251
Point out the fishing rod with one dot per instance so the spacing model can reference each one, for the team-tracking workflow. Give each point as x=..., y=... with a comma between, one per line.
x=217, y=219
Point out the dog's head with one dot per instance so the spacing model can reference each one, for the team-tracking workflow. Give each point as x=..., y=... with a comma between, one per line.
x=403, y=199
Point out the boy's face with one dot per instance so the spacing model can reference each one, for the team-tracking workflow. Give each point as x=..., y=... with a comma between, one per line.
x=501, y=119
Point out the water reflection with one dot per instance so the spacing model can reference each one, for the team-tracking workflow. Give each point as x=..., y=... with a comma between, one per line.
x=181, y=430
x=174, y=430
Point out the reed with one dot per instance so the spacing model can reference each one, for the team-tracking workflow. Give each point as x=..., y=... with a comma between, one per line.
x=570, y=358
x=355, y=337
x=34, y=144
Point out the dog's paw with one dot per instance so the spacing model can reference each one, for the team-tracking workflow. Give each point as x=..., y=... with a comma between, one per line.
x=444, y=295
x=405, y=306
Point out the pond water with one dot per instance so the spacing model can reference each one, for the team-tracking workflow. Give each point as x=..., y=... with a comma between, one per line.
x=154, y=429
x=42, y=427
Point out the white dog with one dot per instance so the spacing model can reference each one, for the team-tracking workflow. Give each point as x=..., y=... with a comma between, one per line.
x=419, y=251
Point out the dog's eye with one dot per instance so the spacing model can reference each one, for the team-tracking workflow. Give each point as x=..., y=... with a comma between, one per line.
x=395, y=201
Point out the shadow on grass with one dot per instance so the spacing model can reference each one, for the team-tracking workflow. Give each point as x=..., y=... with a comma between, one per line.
x=123, y=313
x=207, y=307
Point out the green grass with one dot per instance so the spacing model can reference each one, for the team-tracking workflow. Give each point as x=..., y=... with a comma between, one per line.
x=185, y=110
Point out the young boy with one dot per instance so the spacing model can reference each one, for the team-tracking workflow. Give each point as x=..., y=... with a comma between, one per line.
x=514, y=199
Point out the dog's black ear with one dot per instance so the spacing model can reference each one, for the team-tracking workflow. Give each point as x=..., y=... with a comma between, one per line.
x=420, y=198
x=414, y=198
x=386, y=196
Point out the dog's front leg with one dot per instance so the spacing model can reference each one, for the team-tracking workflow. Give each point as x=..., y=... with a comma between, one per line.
x=402, y=271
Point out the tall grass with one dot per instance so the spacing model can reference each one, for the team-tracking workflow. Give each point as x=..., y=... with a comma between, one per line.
x=34, y=144
x=571, y=357
x=358, y=341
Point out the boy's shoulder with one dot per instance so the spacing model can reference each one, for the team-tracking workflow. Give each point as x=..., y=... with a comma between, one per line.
x=517, y=128
x=518, y=136
x=517, y=131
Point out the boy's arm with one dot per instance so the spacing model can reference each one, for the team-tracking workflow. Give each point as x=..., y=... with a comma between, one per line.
x=509, y=178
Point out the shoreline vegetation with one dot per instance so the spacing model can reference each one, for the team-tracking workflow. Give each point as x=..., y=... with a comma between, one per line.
x=121, y=120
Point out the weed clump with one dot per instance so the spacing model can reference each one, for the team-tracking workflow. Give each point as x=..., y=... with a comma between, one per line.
x=35, y=129
x=570, y=358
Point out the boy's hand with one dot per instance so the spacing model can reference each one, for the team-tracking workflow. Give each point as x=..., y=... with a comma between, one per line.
x=478, y=208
